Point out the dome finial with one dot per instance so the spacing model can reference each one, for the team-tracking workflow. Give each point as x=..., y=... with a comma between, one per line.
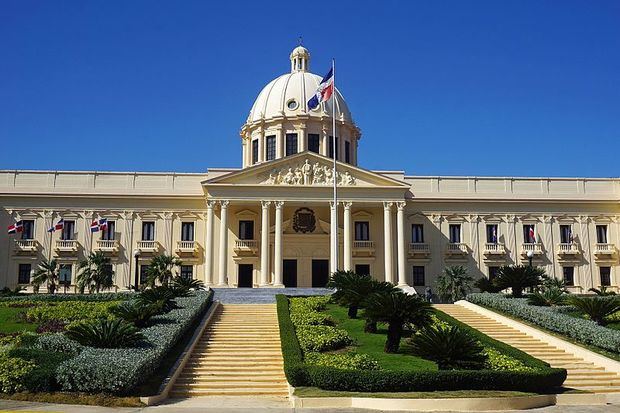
x=300, y=58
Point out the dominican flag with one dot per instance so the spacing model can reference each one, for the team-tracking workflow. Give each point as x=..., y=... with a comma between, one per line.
x=59, y=225
x=325, y=90
x=532, y=235
x=494, y=234
x=99, y=225
x=16, y=227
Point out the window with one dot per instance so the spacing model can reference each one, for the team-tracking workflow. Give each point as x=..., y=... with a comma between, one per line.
x=313, y=142
x=331, y=147
x=187, y=231
x=254, y=151
x=23, y=273
x=187, y=272
x=566, y=234
x=347, y=151
x=605, y=276
x=362, y=231
x=568, y=275
x=68, y=230
x=601, y=234
x=492, y=233
x=143, y=274
x=417, y=233
x=28, y=229
x=455, y=233
x=418, y=276
x=291, y=144
x=64, y=274
x=148, y=231
x=529, y=234
x=362, y=269
x=108, y=232
x=246, y=229
x=270, y=148
x=493, y=273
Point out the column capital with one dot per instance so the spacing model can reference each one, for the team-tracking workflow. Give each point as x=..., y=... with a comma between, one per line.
x=87, y=214
x=332, y=204
x=347, y=204
x=211, y=203
x=387, y=205
x=278, y=204
x=437, y=218
x=511, y=218
x=48, y=214
x=401, y=205
x=265, y=204
x=584, y=219
x=168, y=215
x=224, y=204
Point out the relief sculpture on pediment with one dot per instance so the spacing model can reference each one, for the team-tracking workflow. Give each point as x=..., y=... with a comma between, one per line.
x=308, y=174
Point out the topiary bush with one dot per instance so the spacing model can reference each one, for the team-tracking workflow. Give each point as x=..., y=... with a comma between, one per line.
x=347, y=361
x=58, y=343
x=322, y=338
x=70, y=311
x=497, y=360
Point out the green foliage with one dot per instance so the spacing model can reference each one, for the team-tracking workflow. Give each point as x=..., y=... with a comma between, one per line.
x=136, y=312
x=547, y=297
x=161, y=268
x=161, y=297
x=13, y=371
x=118, y=371
x=58, y=343
x=311, y=303
x=552, y=283
x=347, y=361
x=39, y=298
x=47, y=272
x=182, y=286
x=353, y=289
x=311, y=318
x=454, y=283
x=581, y=330
x=518, y=277
x=70, y=311
x=42, y=377
x=398, y=309
x=321, y=338
x=16, y=292
x=95, y=273
x=104, y=333
x=486, y=286
x=603, y=291
x=496, y=360
x=596, y=308
x=450, y=347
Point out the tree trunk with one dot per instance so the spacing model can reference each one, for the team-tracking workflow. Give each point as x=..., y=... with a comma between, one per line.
x=517, y=292
x=352, y=311
x=393, y=337
x=51, y=288
x=370, y=326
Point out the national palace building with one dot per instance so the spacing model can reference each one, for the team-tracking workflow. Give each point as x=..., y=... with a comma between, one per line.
x=268, y=223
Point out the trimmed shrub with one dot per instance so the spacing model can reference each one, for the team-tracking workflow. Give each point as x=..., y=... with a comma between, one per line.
x=70, y=311
x=496, y=360
x=37, y=298
x=312, y=303
x=13, y=371
x=347, y=361
x=120, y=370
x=311, y=318
x=42, y=377
x=58, y=343
x=581, y=330
x=322, y=338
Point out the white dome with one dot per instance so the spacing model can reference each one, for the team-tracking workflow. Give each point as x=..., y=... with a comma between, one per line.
x=288, y=94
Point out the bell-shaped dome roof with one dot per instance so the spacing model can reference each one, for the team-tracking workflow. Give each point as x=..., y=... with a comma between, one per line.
x=288, y=94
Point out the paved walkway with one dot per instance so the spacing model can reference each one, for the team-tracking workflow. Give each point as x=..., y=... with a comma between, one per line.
x=582, y=374
x=261, y=295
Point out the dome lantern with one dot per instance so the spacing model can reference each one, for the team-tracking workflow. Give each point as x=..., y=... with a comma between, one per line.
x=300, y=59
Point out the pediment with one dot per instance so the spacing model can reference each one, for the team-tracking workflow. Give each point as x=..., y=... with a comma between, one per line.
x=306, y=169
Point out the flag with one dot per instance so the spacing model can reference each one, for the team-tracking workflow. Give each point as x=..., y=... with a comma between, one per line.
x=532, y=235
x=94, y=226
x=494, y=234
x=99, y=225
x=103, y=224
x=324, y=91
x=16, y=227
x=59, y=225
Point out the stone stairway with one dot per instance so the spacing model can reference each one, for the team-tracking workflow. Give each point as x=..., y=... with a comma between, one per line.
x=239, y=354
x=582, y=374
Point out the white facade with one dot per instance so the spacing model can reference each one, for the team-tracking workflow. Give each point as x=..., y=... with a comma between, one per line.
x=269, y=223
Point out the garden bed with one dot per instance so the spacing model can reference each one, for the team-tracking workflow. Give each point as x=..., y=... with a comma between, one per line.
x=409, y=374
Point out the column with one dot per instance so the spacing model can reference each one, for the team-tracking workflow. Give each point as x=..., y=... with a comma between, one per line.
x=333, y=240
x=324, y=141
x=168, y=216
x=400, y=233
x=209, y=244
x=48, y=218
x=387, y=241
x=261, y=147
x=277, y=258
x=474, y=239
x=347, y=236
x=223, y=279
x=88, y=216
x=301, y=138
x=264, y=244
x=549, y=246
x=511, y=239
x=588, y=275
x=279, y=143
x=127, y=240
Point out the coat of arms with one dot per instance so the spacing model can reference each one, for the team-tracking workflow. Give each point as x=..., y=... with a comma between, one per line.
x=304, y=220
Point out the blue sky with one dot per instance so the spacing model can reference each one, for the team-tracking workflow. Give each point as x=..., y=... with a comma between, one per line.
x=523, y=88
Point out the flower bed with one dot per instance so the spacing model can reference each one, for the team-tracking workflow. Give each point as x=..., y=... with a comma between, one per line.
x=120, y=370
x=300, y=372
x=581, y=330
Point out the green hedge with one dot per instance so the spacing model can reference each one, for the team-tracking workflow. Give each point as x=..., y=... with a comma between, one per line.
x=69, y=297
x=328, y=378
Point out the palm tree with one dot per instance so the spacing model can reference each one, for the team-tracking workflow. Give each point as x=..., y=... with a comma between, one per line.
x=353, y=289
x=398, y=309
x=47, y=272
x=603, y=291
x=160, y=269
x=518, y=277
x=454, y=283
x=95, y=273
x=596, y=308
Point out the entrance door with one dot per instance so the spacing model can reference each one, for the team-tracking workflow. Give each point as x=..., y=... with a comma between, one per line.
x=289, y=273
x=245, y=276
x=320, y=273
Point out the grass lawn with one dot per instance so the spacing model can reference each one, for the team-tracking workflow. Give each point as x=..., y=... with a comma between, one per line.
x=372, y=344
x=75, y=398
x=10, y=323
x=316, y=392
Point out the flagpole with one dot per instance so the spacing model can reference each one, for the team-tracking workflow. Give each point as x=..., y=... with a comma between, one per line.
x=334, y=160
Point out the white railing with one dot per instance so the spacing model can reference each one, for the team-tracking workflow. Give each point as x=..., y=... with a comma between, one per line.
x=457, y=248
x=367, y=245
x=494, y=248
x=26, y=244
x=567, y=248
x=536, y=248
x=147, y=245
x=604, y=248
x=246, y=244
x=419, y=247
x=66, y=244
x=107, y=244
x=186, y=245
